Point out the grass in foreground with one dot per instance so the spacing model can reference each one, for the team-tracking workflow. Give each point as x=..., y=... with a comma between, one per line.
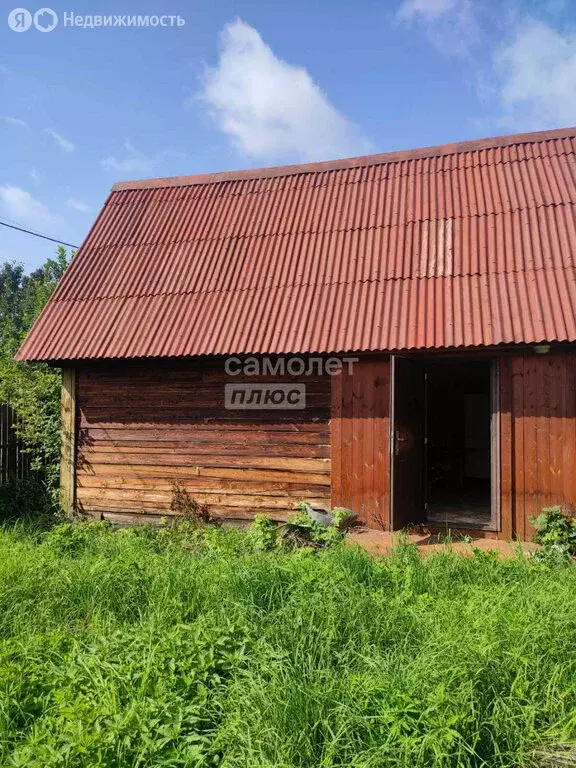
x=176, y=648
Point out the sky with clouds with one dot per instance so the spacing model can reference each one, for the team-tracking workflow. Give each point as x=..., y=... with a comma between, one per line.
x=254, y=83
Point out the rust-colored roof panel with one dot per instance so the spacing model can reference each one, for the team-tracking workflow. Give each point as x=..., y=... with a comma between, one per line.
x=462, y=245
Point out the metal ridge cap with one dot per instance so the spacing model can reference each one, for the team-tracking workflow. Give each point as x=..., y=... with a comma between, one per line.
x=361, y=161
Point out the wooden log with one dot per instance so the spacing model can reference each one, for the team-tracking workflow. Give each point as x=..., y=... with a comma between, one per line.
x=68, y=440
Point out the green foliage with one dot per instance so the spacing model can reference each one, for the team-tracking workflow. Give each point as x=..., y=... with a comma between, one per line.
x=299, y=531
x=263, y=533
x=33, y=390
x=188, y=508
x=302, y=531
x=184, y=646
x=556, y=532
x=23, y=498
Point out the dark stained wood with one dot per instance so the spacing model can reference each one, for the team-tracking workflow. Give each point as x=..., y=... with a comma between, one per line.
x=360, y=441
x=539, y=420
x=506, y=449
x=141, y=427
x=144, y=427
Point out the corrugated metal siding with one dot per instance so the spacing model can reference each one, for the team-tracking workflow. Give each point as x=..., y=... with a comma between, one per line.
x=461, y=248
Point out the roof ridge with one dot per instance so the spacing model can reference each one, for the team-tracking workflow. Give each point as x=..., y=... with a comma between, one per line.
x=361, y=161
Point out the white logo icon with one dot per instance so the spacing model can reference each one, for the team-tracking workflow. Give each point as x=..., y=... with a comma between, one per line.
x=45, y=20
x=19, y=20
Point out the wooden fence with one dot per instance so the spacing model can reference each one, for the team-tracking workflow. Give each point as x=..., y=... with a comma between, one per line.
x=14, y=462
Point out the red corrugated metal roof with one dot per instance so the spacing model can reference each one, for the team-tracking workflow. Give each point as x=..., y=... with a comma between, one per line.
x=463, y=245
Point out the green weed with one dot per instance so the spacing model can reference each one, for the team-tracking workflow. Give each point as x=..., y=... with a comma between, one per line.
x=192, y=646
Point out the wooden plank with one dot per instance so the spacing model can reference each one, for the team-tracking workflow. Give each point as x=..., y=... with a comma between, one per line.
x=568, y=433
x=196, y=452
x=381, y=427
x=67, y=440
x=261, y=439
x=506, y=449
x=336, y=440
x=192, y=461
x=366, y=415
x=356, y=468
x=556, y=416
x=184, y=433
x=346, y=430
x=196, y=481
x=542, y=418
x=225, y=514
x=519, y=459
x=266, y=475
x=139, y=499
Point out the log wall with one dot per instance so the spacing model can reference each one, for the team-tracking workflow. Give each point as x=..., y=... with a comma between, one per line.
x=143, y=427
x=140, y=428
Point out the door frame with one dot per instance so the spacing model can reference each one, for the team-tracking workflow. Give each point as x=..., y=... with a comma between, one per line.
x=495, y=448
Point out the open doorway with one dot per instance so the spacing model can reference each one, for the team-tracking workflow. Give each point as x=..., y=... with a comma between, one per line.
x=442, y=443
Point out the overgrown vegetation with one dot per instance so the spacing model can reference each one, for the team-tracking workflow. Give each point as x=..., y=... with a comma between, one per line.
x=191, y=645
x=186, y=508
x=33, y=391
x=556, y=531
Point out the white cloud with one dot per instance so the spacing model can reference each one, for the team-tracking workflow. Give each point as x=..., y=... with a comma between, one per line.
x=62, y=141
x=272, y=109
x=450, y=24
x=16, y=121
x=536, y=73
x=429, y=9
x=19, y=204
x=35, y=176
x=135, y=161
x=77, y=205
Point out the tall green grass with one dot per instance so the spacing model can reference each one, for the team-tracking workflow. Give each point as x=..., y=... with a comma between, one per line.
x=140, y=648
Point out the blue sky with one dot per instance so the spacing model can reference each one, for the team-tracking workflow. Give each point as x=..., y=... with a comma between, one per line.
x=254, y=83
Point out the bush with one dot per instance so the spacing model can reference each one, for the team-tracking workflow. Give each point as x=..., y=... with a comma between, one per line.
x=22, y=498
x=33, y=390
x=556, y=532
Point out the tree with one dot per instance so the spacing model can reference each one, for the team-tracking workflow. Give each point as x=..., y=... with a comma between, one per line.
x=32, y=389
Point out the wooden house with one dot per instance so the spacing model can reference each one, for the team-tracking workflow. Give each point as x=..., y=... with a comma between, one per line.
x=417, y=309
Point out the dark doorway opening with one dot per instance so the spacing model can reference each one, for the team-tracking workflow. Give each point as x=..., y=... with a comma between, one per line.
x=458, y=443
x=442, y=443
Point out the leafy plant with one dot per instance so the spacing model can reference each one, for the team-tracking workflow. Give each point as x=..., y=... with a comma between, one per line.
x=187, y=508
x=33, y=390
x=302, y=531
x=556, y=531
x=144, y=647
x=263, y=533
x=22, y=498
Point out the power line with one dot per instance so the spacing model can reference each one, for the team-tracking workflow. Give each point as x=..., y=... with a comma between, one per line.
x=37, y=234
